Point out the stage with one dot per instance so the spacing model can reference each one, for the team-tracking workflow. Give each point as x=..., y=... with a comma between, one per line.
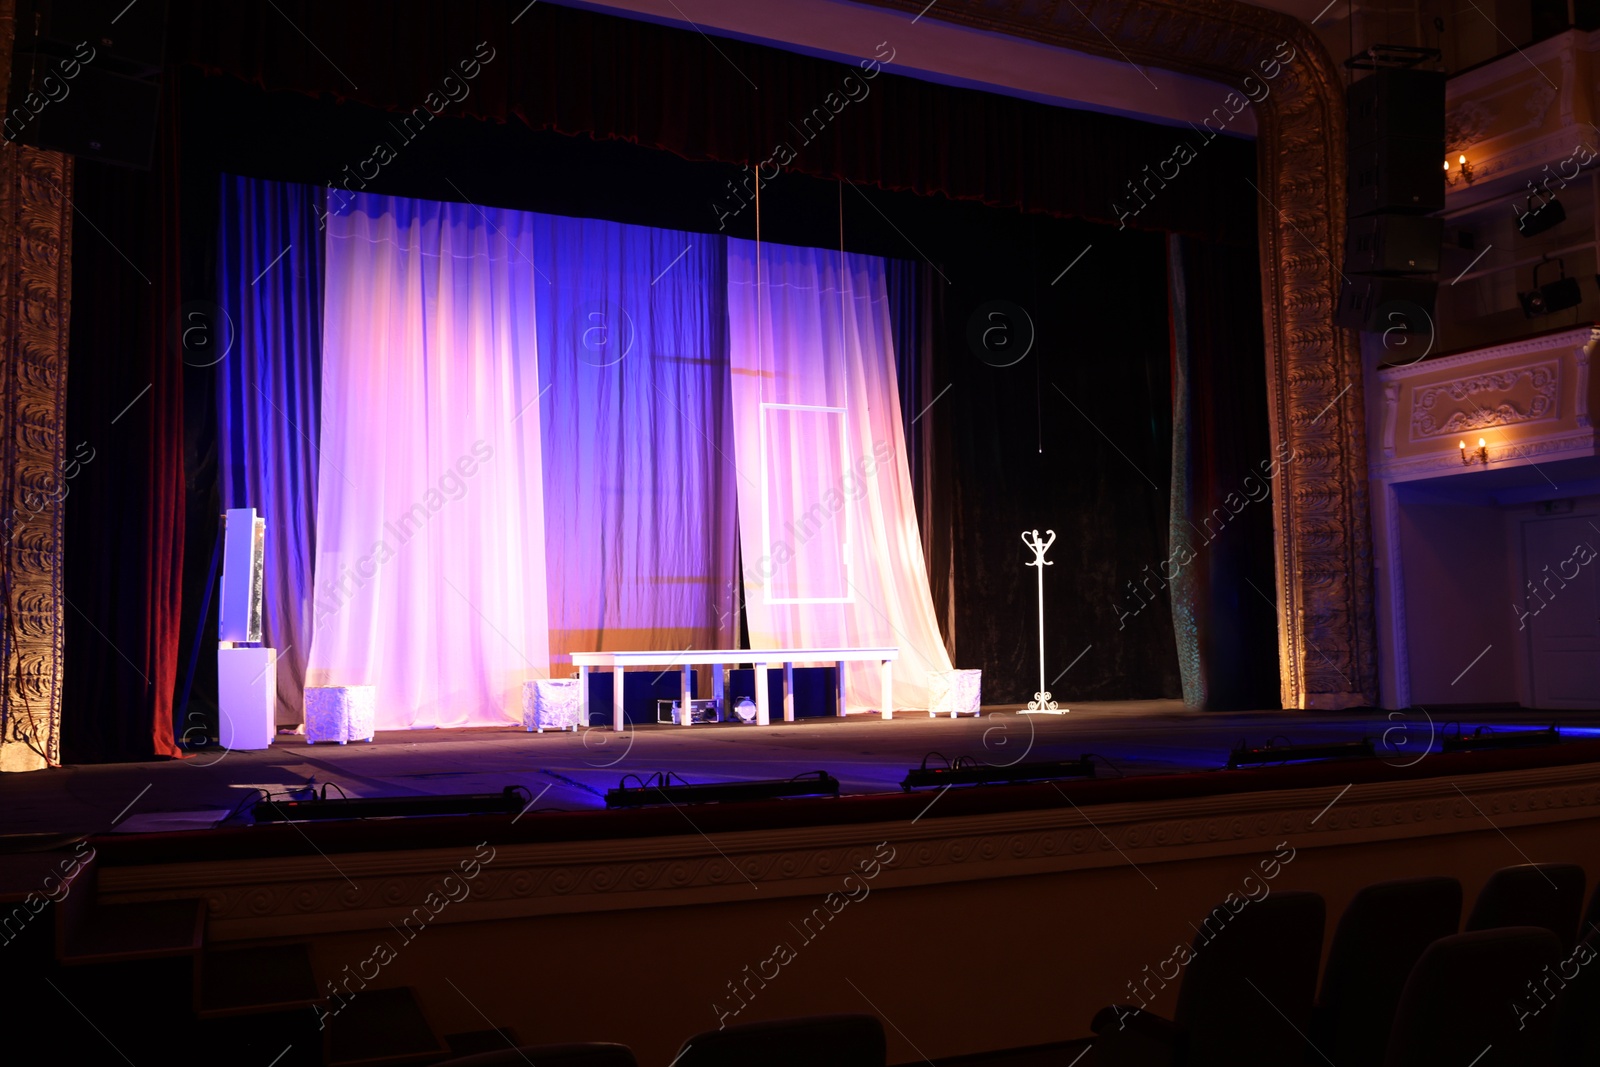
x=571, y=771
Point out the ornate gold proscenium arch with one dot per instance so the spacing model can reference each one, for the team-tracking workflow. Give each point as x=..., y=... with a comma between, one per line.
x=1326, y=640
x=35, y=284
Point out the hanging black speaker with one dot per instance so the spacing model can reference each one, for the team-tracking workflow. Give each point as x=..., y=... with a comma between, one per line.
x=1393, y=244
x=1387, y=305
x=1396, y=142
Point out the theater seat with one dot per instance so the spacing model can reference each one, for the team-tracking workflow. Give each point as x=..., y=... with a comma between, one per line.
x=1467, y=1002
x=1245, y=998
x=816, y=1041
x=1383, y=932
x=1548, y=895
x=1591, y=916
x=1574, y=991
x=596, y=1054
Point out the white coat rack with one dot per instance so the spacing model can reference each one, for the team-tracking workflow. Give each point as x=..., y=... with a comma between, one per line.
x=1041, y=704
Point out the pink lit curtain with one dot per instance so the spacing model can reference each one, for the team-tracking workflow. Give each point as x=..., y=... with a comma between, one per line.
x=830, y=547
x=430, y=543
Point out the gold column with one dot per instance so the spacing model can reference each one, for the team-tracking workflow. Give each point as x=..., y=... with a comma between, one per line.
x=35, y=294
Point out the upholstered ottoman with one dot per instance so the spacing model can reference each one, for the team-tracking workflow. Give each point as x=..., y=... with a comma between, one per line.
x=556, y=703
x=340, y=713
x=956, y=692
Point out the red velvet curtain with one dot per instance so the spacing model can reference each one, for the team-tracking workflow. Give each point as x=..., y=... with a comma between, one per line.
x=578, y=72
x=124, y=512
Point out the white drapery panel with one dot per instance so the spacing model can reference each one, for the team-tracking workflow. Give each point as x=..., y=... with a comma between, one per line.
x=828, y=526
x=430, y=572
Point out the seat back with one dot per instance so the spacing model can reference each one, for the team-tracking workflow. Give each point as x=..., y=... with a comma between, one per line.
x=594, y=1054
x=1531, y=894
x=1248, y=986
x=1574, y=990
x=1468, y=1001
x=1381, y=935
x=1591, y=916
x=816, y=1041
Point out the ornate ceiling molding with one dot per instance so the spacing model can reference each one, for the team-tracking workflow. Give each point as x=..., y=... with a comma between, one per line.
x=1326, y=634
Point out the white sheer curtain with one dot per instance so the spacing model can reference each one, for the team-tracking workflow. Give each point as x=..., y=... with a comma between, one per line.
x=830, y=548
x=430, y=568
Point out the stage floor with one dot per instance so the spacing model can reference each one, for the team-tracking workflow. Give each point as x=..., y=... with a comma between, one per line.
x=573, y=770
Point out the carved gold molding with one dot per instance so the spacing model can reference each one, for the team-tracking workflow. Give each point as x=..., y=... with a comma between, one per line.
x=35, y=290
x=1326, y=640
x=296, y=896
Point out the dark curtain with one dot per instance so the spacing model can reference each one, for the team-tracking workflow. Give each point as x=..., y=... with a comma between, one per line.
x=125, y=512
x=912, y=296
x=1220, y=566
x=269, y=288
x=1059, y=410
x=579, y=72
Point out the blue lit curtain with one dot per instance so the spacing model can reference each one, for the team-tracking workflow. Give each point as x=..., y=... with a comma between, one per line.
x=639, y=481
x=268, y=343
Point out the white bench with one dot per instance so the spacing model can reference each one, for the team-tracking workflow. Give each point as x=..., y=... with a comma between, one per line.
x=717, y=659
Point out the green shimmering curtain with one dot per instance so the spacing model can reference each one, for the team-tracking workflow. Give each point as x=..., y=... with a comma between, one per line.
x=1224, y=470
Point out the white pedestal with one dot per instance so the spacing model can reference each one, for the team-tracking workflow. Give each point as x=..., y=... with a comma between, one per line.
x=340, y=713
x=552, y=703
x=247, y=697
x=954, y=693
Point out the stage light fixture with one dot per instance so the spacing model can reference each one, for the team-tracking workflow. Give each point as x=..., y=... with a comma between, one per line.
x=1547, y=214
x=1547, y=299
x=665, y=787
x=964, y=770
x=1481, y=741
x=510, y=800
x=1270, y=754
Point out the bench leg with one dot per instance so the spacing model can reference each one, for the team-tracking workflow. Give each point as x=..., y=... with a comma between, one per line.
x=838, y=683
x=788, y=692
x=888, y=689
x=763, y=702
x=685, y=697
x=583, y=695
x=619, y=718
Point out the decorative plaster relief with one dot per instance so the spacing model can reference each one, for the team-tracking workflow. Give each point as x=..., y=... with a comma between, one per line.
x=1496, y=398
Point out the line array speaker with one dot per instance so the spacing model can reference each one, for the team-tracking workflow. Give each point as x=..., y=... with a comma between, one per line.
x=1395, y=178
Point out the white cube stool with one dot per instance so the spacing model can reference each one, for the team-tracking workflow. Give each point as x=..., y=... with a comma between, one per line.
x=956, y=692
x=340, y=713
x=556, y=703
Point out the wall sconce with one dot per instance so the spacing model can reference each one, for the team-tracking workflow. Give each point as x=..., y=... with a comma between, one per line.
x=1480, y=456
x=1462, y=172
